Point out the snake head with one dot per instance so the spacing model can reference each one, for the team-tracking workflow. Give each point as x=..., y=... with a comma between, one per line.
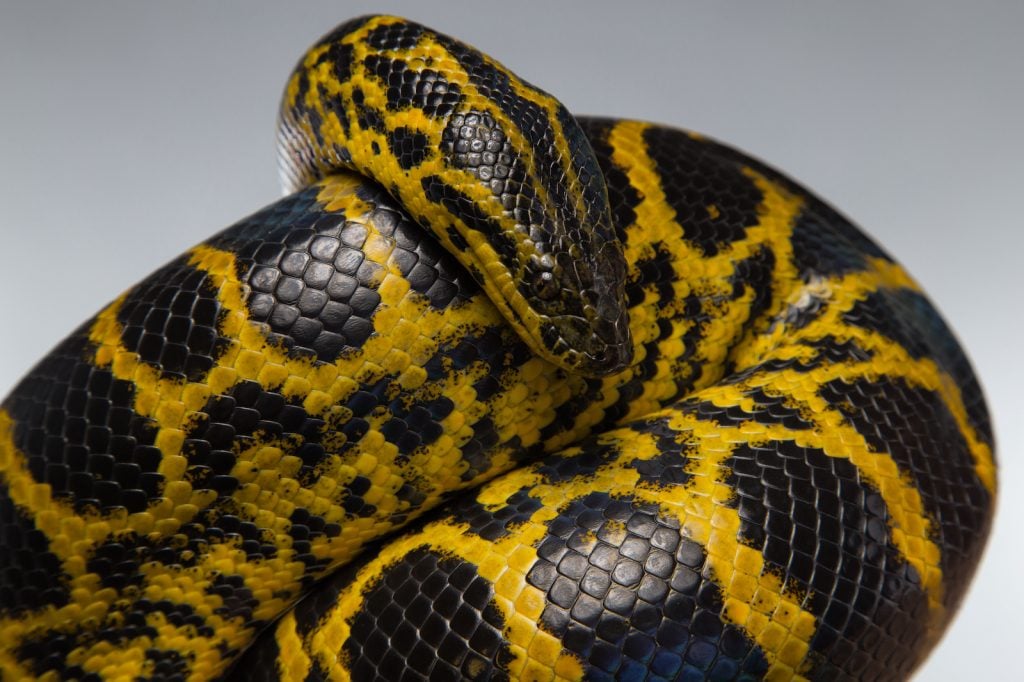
x=545, y=252
x=496, y=168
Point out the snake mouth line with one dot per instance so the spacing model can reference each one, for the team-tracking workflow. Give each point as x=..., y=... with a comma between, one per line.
x=578, y=349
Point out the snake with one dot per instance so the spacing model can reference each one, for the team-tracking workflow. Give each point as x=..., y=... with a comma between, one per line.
x=496, y=392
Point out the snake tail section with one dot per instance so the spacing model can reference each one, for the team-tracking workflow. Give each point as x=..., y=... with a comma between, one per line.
x=314, y=447
x=497, y=168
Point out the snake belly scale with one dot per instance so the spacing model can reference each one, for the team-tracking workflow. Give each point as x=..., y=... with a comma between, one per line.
x=496, y=393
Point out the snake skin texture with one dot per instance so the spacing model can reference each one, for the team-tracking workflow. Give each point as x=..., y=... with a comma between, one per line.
x=314, y=447
x=500, y=168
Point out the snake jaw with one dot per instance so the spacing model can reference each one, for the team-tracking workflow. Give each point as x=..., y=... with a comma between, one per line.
x=583, y=327
x=593, y=339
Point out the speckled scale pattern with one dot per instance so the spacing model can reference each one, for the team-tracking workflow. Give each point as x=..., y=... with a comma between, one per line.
x=313, y=445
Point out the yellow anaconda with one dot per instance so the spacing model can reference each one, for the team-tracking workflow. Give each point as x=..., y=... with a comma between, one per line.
x=712, y=431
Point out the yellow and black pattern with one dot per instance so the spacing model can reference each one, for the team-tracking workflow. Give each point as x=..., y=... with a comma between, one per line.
x=499, y=167
x=792, y=478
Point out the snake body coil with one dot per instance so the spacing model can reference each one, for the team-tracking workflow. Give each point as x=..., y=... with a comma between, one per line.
x=712, y=430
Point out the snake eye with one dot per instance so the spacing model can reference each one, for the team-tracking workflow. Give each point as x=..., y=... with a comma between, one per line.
x=545, y=287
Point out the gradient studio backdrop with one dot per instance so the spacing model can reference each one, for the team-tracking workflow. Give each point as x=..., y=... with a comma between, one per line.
x=129, y=131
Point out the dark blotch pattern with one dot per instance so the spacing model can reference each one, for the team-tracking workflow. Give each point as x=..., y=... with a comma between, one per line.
x=171, y=320
x=423, y=89
x=408, y=147
x=622, y=195
x=496, y=524
x=825, y=243
x=30, y=574
x=909, y=319
x=428, y=617
x=401, y=36
x=540, y=131
x=311, y=282
x=458, y=203
x=78, y=429
x=629, y=595
x=713, y=201
x=818, y=526
x=932, y=451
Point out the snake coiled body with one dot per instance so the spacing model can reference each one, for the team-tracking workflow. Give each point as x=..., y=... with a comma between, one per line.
x=736, y=442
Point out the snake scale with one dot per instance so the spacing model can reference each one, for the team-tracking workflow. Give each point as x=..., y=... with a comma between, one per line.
x=496, y=393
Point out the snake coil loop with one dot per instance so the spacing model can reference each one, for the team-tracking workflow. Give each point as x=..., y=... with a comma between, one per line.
x=496, y=393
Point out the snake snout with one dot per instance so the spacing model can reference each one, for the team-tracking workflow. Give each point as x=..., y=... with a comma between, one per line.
x=593, y=350
x=576, y=289
x=605, y=310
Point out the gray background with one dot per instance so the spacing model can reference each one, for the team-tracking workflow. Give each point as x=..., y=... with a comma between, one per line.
x=130, y=131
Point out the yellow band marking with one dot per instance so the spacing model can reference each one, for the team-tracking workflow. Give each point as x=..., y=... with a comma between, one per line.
x=839, y=295
x=72, y=539
x=909, y=526
x=293, y=663
x=756, y=600
x=656, y=221
x=708, y=278
x=537, y=655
